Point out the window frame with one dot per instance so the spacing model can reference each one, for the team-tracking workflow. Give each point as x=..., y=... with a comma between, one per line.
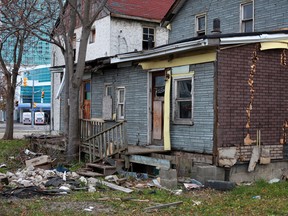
x=243, y=21
x=175, y=113
x=147, y=41
x=200, y=32
x=119, y=104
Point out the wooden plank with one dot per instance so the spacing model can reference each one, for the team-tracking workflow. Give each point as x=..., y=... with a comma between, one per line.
x=163, y=205
x=89, y=173
x=157, y=120
x=114, y=186
x=162, y=163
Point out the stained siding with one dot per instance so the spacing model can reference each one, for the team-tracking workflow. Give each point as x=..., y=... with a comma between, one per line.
x=134, y=79
x=269, y=15
x=198, y=137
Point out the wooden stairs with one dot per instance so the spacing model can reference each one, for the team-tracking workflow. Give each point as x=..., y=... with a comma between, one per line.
x=97, y=170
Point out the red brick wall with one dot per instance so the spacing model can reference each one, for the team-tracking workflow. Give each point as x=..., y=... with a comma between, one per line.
x=270, y=106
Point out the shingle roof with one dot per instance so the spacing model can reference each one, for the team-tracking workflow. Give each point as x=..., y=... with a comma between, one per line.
x=149, y=9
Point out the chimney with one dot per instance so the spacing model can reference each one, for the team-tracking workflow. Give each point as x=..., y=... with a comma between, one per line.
x=216, y=26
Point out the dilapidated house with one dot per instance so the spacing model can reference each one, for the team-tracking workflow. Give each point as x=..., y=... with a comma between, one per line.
x=210, y=104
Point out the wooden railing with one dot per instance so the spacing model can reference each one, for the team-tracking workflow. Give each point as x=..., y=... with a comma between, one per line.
x=105, y=143
x=90, y=127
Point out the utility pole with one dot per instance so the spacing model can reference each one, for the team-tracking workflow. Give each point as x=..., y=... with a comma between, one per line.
x=32, y=111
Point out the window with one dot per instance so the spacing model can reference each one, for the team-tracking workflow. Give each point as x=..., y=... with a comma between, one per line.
x=183, y=100
x=201, y=24
x=92, y=35
x=121, y=103
x=74, y=47
x=247, y=24
x=148, y=38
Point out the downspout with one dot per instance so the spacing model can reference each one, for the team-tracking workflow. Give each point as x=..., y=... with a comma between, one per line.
x=215, y=125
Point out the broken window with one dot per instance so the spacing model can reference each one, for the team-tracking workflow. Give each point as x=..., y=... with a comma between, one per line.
x=183, y=100
x=148, y=38
x=92, y=35
x=247, y=23
x=121, y=103
x=201, y=24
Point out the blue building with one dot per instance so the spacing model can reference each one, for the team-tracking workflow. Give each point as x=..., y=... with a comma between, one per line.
x=35, y=91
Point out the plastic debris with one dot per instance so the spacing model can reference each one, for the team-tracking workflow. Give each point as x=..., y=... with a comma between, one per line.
x=274, y=180
x=256, y=197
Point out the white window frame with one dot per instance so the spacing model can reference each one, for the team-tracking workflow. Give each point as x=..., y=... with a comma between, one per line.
x=176, y=118
x=154, y=36
x=244, y=21
x=121, y=116
x=198, y=31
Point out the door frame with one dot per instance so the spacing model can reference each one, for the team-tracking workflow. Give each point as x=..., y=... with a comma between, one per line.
x=150, y=105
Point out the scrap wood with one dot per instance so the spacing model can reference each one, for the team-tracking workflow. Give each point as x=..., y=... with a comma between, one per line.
x=163, y=205
x=122, y=199
x=114, y=186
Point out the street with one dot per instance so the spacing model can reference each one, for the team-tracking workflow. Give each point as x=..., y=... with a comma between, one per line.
x=20, y=130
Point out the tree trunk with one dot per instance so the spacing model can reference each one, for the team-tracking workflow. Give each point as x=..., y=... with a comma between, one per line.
x=74, y=137
x=9, y=130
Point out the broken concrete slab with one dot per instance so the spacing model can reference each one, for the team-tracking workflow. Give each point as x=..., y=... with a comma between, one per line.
x=254, y=158
x=44, y=159
x=227, y=156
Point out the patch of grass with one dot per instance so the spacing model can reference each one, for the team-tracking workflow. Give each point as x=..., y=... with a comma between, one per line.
x=10, y=153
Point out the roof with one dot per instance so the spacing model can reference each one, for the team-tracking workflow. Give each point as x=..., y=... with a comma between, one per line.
x=177, y=5
x=148, y=9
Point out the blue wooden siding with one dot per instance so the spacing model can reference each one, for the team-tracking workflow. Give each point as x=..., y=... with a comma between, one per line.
x=198, y=137
x=268, y=15
x=134, y=79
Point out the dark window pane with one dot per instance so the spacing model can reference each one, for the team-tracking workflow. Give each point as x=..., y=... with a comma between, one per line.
x=151, y=31
x=185, y=108
x=248, y=11
x=184, y=89
x=248, y=26
x=145, y=37
x=201, y=23
x=145, y=30
x=87, y=87
x=159, y=81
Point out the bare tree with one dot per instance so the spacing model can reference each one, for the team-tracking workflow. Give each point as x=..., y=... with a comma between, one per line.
x=18, y=19
x=73, y=14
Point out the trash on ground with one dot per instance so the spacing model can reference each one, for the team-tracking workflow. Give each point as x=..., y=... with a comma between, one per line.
x=274, y=180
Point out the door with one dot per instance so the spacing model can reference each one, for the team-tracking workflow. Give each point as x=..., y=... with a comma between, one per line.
x=86, y=100
x=158, y=90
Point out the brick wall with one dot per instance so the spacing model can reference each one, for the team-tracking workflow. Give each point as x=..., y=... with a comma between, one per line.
x=270, y=106
x=244, y=152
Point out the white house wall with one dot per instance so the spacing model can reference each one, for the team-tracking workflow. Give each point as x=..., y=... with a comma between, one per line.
x=126, y=35
x=100, y=48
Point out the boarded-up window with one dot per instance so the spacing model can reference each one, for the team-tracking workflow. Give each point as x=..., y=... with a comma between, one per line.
x=107, y=103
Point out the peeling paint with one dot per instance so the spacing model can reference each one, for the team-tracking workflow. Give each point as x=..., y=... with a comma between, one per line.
x=254, y=59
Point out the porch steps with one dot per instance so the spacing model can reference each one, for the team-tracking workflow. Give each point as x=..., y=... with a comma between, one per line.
x=101, y=168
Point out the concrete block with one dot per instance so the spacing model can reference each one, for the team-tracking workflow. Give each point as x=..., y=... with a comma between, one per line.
x=168, y=178
x=220, y=185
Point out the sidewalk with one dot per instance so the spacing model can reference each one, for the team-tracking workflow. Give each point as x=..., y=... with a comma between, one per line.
x=21, y=130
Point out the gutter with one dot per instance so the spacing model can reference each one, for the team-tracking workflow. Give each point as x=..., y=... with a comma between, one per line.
x=164, y=50
x=253, y=39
